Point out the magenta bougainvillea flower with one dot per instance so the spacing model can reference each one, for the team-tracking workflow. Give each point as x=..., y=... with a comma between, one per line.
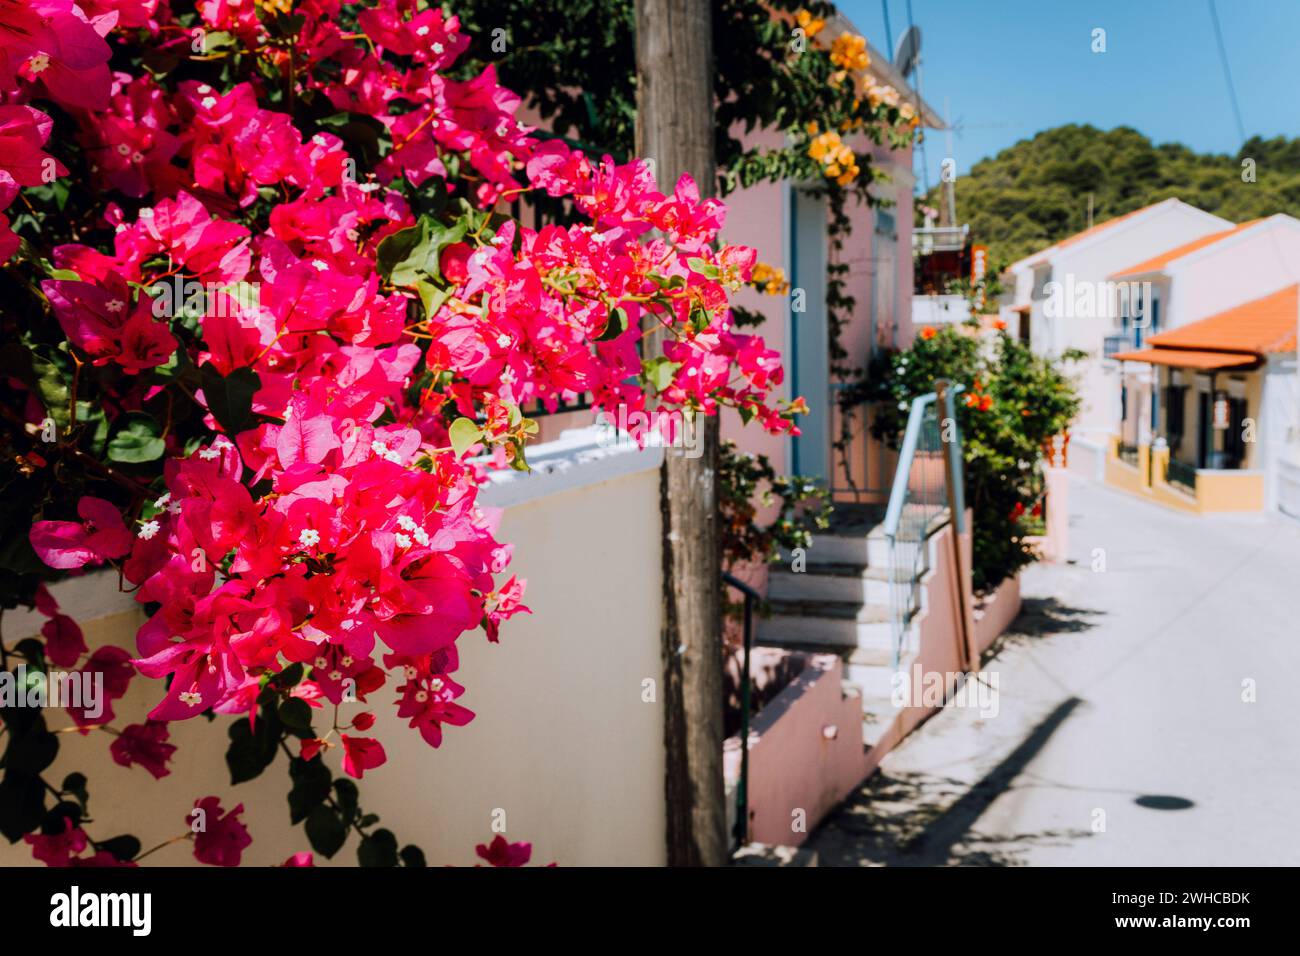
x=97, y=537
x=361, y=754
x=144, y=745
x=285, y=378
x=222, y=838
x=501, y=852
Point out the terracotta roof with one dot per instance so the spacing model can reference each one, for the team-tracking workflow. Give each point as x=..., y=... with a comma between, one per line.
x=1234, y=338
x=1157, y=263
x=1259, y=326
x=1188, y=358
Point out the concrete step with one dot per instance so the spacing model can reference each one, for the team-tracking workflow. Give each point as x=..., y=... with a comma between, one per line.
x=841, y=625
x=875, y=680
x=833, y=582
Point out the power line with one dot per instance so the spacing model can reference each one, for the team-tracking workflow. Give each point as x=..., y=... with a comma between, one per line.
x=1227, y=73
x=889, y=34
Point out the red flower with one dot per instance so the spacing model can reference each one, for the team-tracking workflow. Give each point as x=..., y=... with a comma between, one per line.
x=146, y=745
x=501, y=853
x=222, y=838
x=64, y=643
x=361, y=754
x=98, y=536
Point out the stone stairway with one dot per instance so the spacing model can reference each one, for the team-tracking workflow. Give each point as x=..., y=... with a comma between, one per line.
x=840, y=603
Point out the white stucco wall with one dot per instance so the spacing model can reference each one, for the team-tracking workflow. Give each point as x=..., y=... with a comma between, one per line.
x=563, y=742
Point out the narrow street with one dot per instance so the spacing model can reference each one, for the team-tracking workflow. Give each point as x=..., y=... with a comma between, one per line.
x=1122, y=737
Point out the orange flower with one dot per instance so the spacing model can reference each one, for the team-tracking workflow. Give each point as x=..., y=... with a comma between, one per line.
x=849, y=51
x=999, y=325
x=928, y=332
x=811, y=25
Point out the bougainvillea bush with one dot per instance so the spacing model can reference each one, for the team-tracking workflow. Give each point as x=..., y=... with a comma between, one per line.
x=266, y=332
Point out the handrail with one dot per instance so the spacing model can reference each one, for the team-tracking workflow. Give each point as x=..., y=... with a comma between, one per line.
x=741, y=830
x=898, y=493
x=907, y=559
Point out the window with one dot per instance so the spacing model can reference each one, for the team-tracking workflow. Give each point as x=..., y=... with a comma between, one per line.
x=1175, y=415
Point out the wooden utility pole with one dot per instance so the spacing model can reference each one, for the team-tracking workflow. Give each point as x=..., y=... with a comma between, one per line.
x=675, y=130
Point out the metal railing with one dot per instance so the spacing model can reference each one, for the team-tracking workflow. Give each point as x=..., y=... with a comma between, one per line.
x=1180, y=473
x=1112, y=344
x=740, y=833
x=919, y=501
x=1128, y=454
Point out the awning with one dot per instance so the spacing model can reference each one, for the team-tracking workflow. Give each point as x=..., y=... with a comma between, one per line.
x=1188, y=358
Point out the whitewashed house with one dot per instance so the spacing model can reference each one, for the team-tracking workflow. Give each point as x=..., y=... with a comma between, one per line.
x=1062, y=298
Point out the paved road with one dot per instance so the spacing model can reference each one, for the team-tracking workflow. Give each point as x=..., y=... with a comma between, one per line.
x=1122, y=737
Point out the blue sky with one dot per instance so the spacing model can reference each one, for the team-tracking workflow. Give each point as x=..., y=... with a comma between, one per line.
x=1010, y=68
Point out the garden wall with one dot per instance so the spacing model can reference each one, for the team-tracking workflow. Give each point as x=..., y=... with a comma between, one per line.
x=564, y=749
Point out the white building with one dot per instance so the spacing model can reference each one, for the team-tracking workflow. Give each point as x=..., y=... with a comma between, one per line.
x=1063, y=299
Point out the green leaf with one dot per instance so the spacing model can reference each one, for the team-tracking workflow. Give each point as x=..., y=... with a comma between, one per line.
x=616, y=325
x=346, y=796
x=378, y=849
x=230, y=397
x=296, y=713
x=703, y=267
x=464, y=434
x=75, y=784
x=251, y=752
x=22, y=804
x=412, y=856
x=138, y=440
x=124, y=848
x=32, y=750
x=311, y=786
x=53, y=389
x=325, y=831
x=412, y=253
x=432, y=296
x=659, y=372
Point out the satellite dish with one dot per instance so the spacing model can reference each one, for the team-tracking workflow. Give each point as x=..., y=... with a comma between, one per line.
x=909, y=50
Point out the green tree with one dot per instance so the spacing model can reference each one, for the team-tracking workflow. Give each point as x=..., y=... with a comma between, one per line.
x=1013, y=404
x=1036, y=192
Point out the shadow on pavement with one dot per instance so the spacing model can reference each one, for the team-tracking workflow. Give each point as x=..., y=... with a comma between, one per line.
x=919, y=819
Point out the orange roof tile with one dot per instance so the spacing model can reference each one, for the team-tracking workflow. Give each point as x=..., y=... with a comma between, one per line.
x=1188, y=358
x=1259, y=326
x=1157, y=263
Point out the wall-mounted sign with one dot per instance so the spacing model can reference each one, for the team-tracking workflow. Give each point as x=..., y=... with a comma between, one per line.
x=979, y=260
x=1220, y=411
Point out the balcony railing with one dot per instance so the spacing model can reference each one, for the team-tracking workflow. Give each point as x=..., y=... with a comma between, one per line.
x=1113, y=344
x=928, y=239
x=1128, y=454
x=1180, y=473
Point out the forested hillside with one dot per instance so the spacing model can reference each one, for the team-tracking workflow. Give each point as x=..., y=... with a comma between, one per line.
x=1036, y=192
